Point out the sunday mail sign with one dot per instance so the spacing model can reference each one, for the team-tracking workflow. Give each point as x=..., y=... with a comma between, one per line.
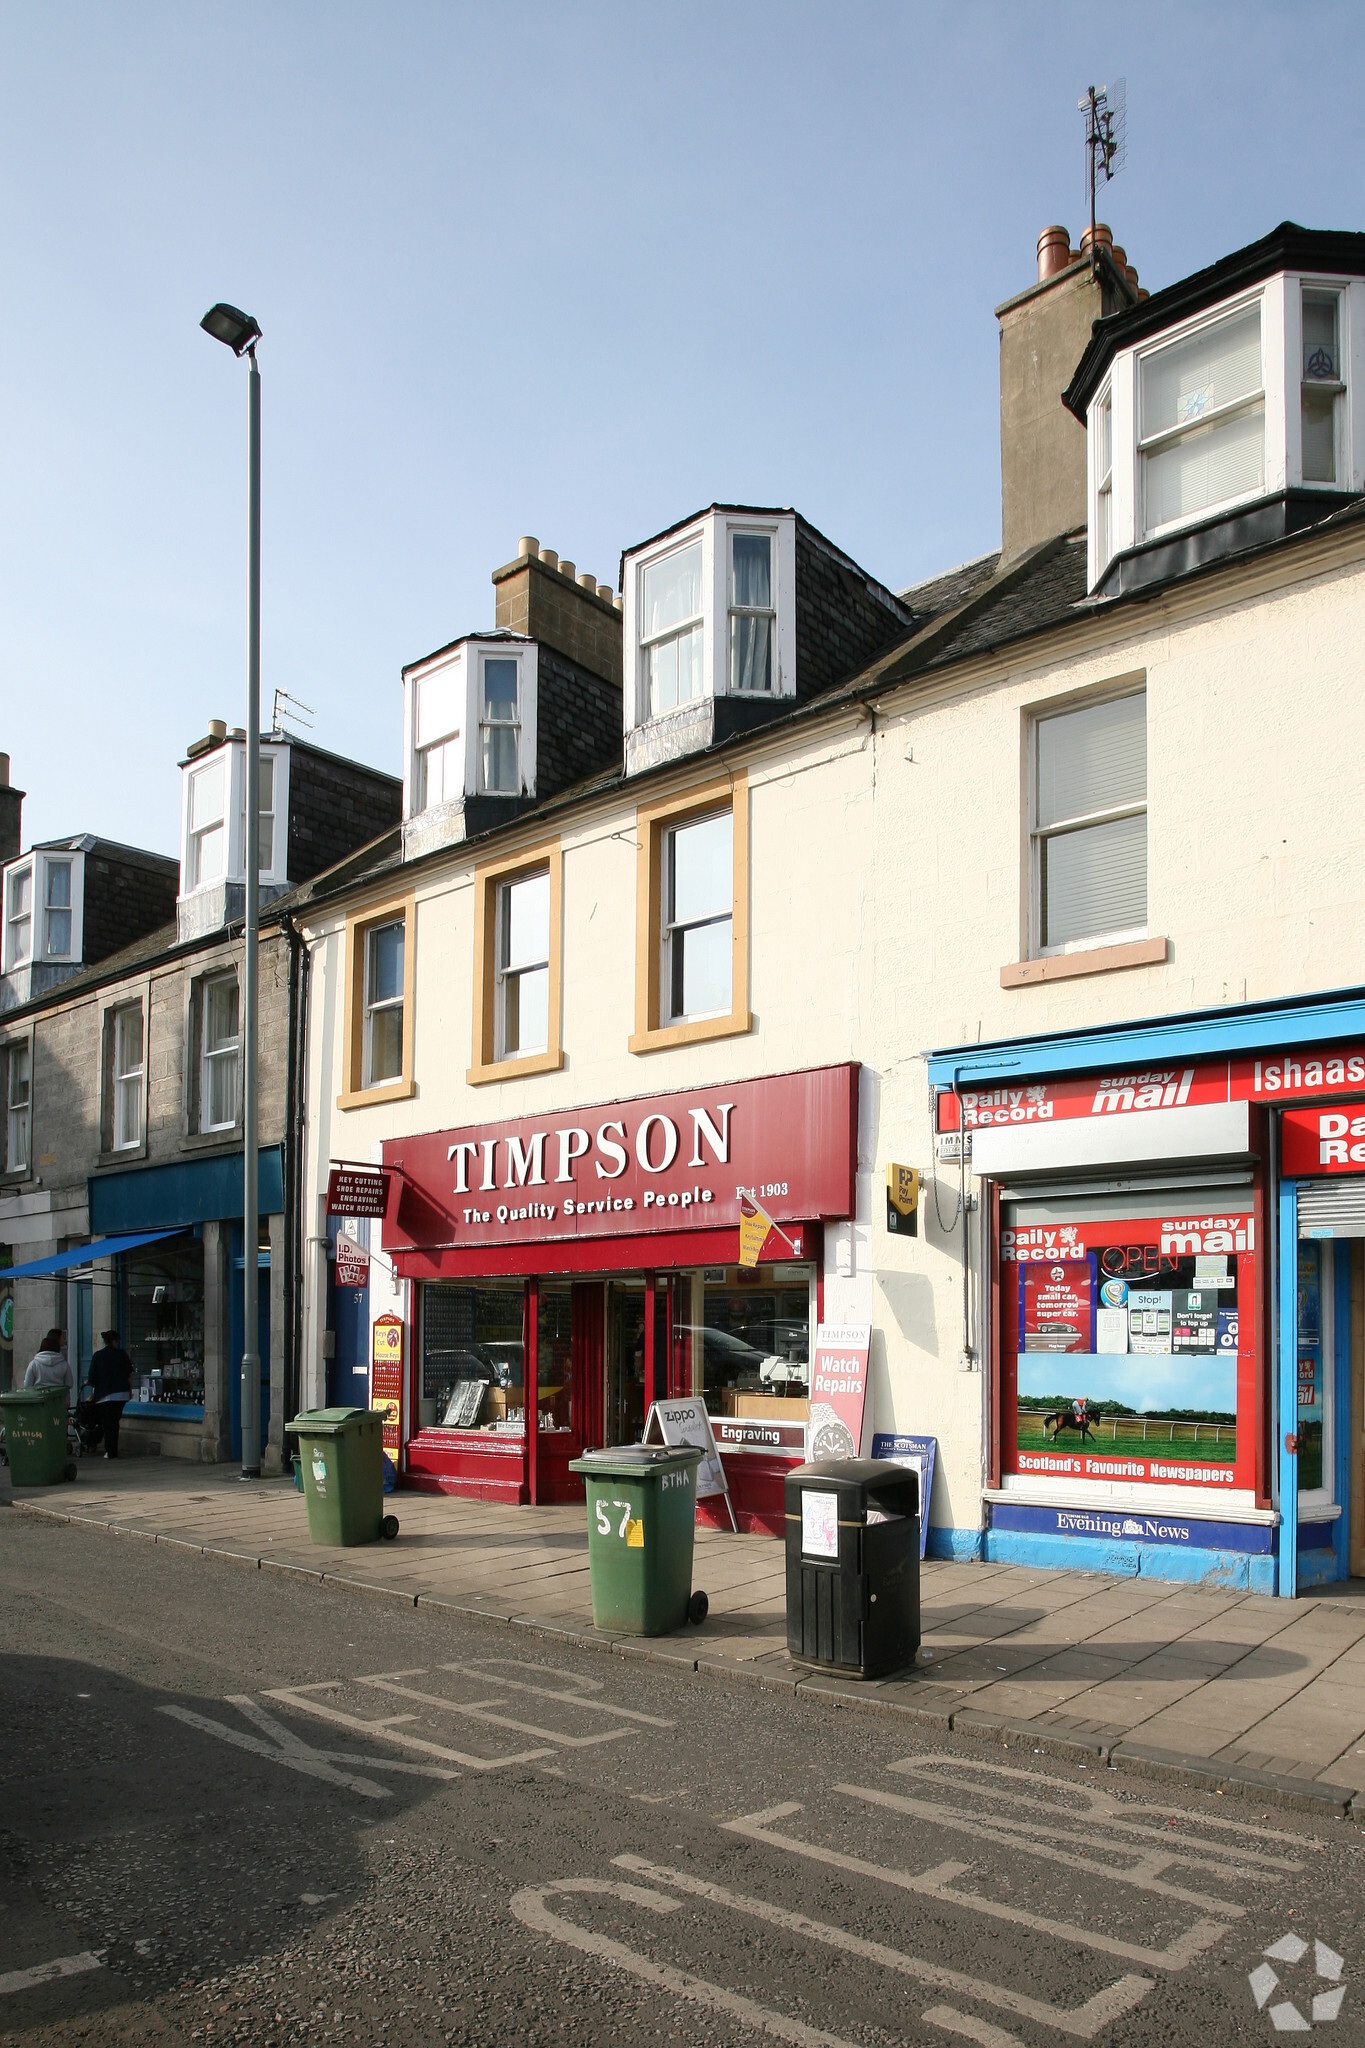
x=681, y=1161
x=1272, y=1077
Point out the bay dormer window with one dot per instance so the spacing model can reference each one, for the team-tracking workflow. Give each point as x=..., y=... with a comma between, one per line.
x=19, y=916
x=43, y=901
x=470, y=726
x=752, y=618
x=57, y=910
x=440, y=752
x=208, y=824
x=1201, y=410
x=213, y=832
x=1231, y=420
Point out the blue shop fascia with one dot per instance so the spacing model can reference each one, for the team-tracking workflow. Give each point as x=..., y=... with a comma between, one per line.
x=175, y=1232
x=1170, y=1250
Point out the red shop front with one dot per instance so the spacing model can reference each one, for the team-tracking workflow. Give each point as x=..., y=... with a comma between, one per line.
x=594, y=1256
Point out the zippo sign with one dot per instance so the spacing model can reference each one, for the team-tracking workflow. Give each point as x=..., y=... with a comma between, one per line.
x=1314, y=1141
x=658, y=1163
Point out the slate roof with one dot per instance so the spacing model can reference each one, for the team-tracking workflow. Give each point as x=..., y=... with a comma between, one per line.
x=943, y=593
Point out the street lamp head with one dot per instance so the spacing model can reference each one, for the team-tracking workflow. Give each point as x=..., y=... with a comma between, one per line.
x=227, y=324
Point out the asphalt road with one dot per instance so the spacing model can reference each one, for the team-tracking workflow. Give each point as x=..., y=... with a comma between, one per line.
x=236, y=1806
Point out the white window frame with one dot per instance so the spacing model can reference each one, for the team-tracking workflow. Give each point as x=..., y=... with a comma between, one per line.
x=232, y=754
x=680, y=544
x=193, y=880
x=737, y=611
x=1349, y=293
x=449, y=743
x=19, y=1114
x=370, y=1008
x=120, y=1077
x=1260, y=399
x=51, y=863
x=224, y=1052
x=272, y=869
x=505, y=974
x=670, y=931
x=714, y=529
x=467, y=656
x=1101, y=481
x=1038, y=835
x=485, y=724
x=19, y=871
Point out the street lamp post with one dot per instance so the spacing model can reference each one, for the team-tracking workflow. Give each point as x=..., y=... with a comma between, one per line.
x=240, y=333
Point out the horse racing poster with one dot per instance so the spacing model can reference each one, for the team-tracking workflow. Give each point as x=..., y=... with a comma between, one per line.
x=1123, y=1353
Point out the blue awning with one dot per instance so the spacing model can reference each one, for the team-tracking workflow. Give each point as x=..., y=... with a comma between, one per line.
x=82, y=1254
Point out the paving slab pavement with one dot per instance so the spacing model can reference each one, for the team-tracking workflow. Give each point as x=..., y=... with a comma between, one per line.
x=1265, y=1694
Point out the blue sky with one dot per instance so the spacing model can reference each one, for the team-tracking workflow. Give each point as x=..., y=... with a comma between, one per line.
x=571, y=271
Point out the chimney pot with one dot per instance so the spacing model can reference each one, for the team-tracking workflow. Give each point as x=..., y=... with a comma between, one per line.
x=587, y=580
x=617, y=599
x=549, y=558
x=1120, y=256
x=218, y=730
x=4, y=771
x=604, y=590
x=1054, y=252
x=528, y=545
x=569, y=569
x=1104, y=238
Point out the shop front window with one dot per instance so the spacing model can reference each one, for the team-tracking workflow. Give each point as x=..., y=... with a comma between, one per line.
x=554, y=1353
x=1315, y=1334
x=473, y=1352
x=750, y=1346
x=1127, y=1338
x=163, y=1321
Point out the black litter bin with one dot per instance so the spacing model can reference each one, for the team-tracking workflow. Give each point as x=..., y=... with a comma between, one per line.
x=853, y=1565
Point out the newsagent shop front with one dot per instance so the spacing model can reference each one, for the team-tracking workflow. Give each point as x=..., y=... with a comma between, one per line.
x=609, y=1257
x=1173, y=1217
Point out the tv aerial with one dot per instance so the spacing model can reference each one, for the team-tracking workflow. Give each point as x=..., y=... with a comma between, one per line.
x=290, y=711
x=1106, y=142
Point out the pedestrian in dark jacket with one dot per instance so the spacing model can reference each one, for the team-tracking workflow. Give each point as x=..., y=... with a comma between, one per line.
x=111, y=1383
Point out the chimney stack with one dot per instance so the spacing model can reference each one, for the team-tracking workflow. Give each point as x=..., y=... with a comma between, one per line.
x=1043, y=334
x=547, y=599
x=11, y=808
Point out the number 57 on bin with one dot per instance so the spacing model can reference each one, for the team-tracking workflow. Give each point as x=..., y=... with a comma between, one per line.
x=632, y=1530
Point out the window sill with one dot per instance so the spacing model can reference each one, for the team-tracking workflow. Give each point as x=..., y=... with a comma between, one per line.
x=693, y=1033
x=1098, y=960
x=124, y=1155
x=512, y=1070
x=387, y=1091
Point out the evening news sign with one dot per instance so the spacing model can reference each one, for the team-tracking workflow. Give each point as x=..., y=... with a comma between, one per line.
x=662, y=1163
x=1282, y=1077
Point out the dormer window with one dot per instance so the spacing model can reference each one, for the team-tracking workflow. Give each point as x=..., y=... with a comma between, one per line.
x=1322, y=390
x=265, y=853
x=18, y=916
x=1202, y=420
x=57, y=910
x=671, y=627
x=440, y=753
x=500, y=725
x=208, y=823
x=1104, y=478
x=752, y=618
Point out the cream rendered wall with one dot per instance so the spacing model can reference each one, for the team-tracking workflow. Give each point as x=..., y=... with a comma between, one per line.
x=886, y=896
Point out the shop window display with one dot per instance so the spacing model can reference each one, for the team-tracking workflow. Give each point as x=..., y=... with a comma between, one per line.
x=163, y=1321
x=751, y=1350
x=1128, y=1340
x=473, y=1356
x=554, y=1353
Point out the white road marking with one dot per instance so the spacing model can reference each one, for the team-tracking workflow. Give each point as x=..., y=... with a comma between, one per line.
x=493, y=1665
x=481, y=1710
x=1145, y=1874
x=311, y=1765
x=297, y=1696
x=936, y=1884
x=1079, y=1803
x=1082, y=2021
x=47, y=1973
x=530, y=1908
x=982, y=2031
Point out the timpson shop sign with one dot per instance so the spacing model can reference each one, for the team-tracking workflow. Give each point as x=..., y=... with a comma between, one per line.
x=681, y=1161
x=1274, y=1078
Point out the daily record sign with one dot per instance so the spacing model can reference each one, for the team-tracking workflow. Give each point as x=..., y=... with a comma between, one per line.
x=1323, y=1140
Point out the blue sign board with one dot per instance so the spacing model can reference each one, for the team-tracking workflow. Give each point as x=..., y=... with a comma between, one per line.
x=1136, y=1525
x=919, y=1453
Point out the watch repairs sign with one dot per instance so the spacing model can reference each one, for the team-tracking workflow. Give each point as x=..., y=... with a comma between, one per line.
x=838, y=1390
x=356, y=1190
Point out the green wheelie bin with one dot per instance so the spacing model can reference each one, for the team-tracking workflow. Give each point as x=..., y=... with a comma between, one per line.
x=642, y=1508
x=342, y=1455
x=35, y=1436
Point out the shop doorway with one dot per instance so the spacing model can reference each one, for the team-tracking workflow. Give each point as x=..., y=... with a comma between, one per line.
x=1330, y=1405
x=624, y=1419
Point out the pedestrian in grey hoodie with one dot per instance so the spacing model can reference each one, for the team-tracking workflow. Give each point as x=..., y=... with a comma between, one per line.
x=50, y=1367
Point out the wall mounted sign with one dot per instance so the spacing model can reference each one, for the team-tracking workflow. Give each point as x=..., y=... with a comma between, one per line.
x=356, y=1191
x=1314, y=1141
x=1276, y=1077
x=682, y=1161
x=386, y=1378
x=902, y=1201
x=352, y=1263
x=838, y=1390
